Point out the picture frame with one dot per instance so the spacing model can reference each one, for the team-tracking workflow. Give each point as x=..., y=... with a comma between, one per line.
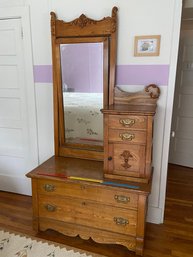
x=147, y=45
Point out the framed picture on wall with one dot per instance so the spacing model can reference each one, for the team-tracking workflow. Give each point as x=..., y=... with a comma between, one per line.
x=147, y=45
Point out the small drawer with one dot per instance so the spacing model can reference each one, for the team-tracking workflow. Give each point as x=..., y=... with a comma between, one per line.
x=127, y=136
x=90, y=214
x=100, y=193
x=125, y=121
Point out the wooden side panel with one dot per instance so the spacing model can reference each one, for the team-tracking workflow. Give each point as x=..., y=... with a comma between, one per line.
x=107, y=154
x=142, y=207
x=35, y=204
x=149, y=146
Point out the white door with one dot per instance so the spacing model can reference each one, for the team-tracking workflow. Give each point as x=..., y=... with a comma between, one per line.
x=181, y=146
x=17, y=156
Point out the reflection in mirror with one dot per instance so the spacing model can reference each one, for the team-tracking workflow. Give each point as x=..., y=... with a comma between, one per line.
x=82, y=84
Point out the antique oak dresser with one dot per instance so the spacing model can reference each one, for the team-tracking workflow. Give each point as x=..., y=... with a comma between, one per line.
x=91, y=187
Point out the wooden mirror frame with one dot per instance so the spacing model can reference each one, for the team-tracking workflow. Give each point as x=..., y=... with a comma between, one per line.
x=82, y=30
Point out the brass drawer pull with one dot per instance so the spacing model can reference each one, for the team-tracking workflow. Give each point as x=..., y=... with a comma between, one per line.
x=121, y=221
x=127, y=136
x=122, y=198
x=49, y=187
x=127, y=122
x=50, y=208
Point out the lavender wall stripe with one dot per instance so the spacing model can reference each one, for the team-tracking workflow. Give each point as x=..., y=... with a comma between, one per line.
x=125, y=74
x=43, y=73
x=142, y=74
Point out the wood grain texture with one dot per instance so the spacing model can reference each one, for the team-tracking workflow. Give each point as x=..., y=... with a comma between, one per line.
x=86, y=208
x=88, y=192
x=82, y=30
x=128, y=129
x=148, y=96
x=174, y=238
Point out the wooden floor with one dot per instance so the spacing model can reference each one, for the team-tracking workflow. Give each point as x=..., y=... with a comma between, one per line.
x=173, y=238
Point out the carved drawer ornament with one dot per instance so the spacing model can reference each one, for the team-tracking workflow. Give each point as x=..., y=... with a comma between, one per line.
x=126, y=156
x=82, y=21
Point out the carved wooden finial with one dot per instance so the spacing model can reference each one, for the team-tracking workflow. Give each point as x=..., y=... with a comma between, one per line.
x=153, y=91
x=53, y=16
x=114, y=19
x=53, y=23
x=114, y=12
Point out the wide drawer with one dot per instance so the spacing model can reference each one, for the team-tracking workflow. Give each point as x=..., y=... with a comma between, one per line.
x=127, y=136
x=99, y=193
x=127, y=121
x=89, y=214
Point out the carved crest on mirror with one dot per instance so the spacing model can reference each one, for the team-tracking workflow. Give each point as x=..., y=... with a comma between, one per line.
x=83, y=55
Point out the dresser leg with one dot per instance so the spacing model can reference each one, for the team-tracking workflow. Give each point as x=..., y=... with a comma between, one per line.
x=139, y=246
x=35, y=225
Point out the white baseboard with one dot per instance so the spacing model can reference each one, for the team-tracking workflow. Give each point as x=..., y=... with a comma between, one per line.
x=19, y=185
x=154, y=215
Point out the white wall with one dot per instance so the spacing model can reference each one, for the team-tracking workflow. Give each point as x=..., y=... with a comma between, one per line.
x=136, y=17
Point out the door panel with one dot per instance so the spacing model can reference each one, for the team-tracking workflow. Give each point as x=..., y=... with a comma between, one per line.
x=181, y=144
x=15, y=114
x=12, y=107
x=8, y=39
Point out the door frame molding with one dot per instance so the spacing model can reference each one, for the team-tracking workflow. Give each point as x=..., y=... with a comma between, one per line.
x=23, y=13
x=169, y=104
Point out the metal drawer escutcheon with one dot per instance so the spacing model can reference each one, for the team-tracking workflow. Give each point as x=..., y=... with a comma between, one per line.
x=127, y=136
x=49, y=187
x=127, y=122
x=50, y=208
x=122, y=198
x=121, y=221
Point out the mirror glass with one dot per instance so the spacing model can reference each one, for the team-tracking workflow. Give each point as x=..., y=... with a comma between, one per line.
x=82, y=86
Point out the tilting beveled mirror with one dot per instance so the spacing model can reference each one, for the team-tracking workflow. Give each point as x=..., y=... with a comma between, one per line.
x=84, y=53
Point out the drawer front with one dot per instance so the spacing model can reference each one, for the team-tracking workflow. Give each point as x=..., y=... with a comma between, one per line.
x=89, y=214
x=128, y=160
x=127, y=136
x=116, y=197
x=127, y=121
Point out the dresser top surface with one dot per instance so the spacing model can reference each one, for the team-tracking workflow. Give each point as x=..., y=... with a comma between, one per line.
x=137, y=109
x=82, y=171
